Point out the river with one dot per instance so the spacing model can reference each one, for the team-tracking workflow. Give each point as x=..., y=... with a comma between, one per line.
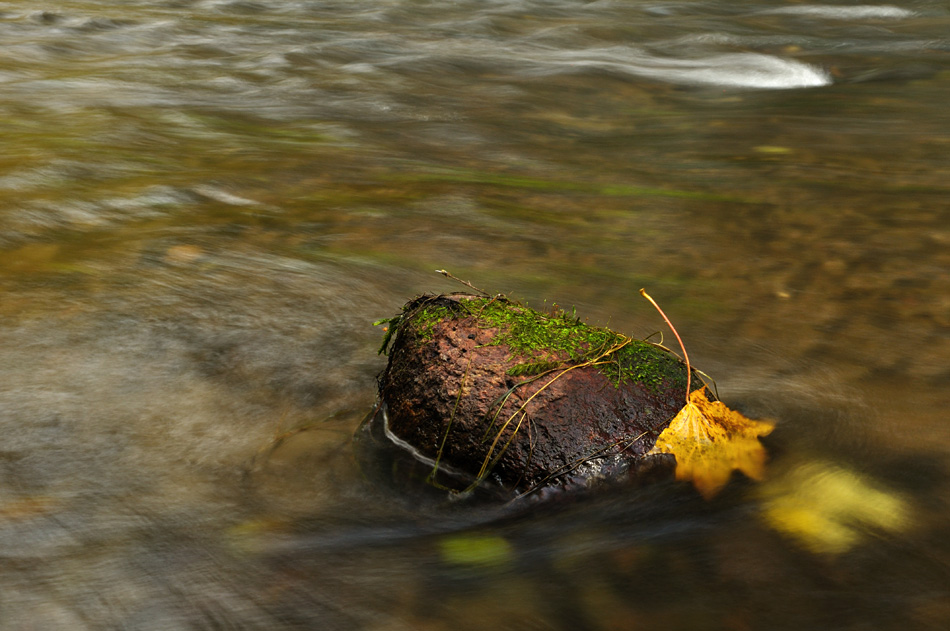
x=205, y=204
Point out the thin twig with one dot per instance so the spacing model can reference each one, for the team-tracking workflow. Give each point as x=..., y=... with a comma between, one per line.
x=689, y=372
x=445, y=436
x=448, y=274
x=490, y=462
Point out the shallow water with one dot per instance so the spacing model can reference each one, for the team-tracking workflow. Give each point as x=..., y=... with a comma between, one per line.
x=205, y=204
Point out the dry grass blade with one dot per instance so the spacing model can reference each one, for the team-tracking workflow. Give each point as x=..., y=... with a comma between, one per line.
x=491, y=458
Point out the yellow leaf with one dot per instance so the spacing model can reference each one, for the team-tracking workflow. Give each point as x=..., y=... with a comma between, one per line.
x=710, y=441
x=830, y=509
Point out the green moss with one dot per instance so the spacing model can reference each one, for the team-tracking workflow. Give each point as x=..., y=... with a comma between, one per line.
x=539, y=342
x=428, y=316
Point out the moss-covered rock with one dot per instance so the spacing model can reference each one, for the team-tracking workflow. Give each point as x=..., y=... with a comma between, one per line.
x=488, y=393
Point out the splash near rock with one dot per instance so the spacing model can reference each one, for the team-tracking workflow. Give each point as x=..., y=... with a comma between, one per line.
x=487, y=394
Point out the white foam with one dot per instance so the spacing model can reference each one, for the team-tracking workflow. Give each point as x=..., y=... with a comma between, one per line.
x=742, y=70
x=860, y=12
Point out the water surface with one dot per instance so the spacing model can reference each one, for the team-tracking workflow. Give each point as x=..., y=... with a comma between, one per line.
x=205, y=204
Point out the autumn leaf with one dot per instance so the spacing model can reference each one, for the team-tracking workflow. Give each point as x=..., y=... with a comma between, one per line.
x=830, y=509
x=709, y=441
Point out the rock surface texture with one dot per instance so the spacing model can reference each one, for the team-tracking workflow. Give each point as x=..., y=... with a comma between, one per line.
x=489, y=393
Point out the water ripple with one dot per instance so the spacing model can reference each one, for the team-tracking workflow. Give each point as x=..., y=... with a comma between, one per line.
x=742, y=70
x=860, y=12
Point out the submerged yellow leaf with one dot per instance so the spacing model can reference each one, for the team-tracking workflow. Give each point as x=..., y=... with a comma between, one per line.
x=829, y=509
x=710, y=441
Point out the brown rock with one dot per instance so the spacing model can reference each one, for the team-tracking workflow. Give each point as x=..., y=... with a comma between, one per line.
x=487, y=393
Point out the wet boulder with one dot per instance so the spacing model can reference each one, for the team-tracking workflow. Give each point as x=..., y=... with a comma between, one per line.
x=484, y=393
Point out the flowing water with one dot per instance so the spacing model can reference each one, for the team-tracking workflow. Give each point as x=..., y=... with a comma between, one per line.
x=204, y=205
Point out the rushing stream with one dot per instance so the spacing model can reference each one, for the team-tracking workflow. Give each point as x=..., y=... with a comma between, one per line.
x=204, y=205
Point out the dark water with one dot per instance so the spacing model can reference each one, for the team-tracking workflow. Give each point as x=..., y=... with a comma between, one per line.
x=205, y=204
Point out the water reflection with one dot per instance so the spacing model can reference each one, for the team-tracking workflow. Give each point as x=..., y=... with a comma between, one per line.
x=204, y=205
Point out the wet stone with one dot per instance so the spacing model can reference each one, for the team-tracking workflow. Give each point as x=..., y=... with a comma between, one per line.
x=484, y=394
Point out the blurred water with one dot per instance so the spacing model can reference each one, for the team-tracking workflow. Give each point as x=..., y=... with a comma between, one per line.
x=205, y=204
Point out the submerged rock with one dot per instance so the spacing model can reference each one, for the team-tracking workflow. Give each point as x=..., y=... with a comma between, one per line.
x=485, y=393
